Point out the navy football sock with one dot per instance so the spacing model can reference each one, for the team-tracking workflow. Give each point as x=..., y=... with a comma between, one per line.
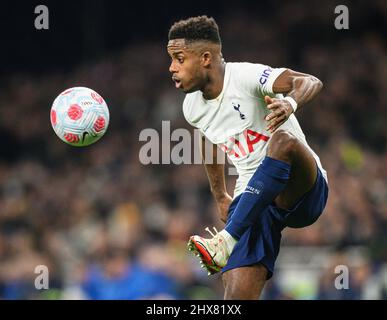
x=265, y=185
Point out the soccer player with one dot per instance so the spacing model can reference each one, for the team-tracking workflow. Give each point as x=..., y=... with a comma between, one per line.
x=247, y=109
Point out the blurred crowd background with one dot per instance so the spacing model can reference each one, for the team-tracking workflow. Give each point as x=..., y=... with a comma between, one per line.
x=109, y=227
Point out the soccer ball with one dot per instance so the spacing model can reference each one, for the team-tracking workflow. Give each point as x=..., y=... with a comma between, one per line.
x=79, y=116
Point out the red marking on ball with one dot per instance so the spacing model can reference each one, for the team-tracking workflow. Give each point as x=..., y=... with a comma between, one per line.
x=99, y=124
x=66, y=92
x=75, y=112
x=71, y=137
x=53, y=117
x=97, y=97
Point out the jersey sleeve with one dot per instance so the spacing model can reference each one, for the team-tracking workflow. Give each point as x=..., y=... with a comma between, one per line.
x=258, y=79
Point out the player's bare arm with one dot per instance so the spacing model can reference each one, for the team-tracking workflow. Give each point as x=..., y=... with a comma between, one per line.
x=299, y=86
x=215, y=174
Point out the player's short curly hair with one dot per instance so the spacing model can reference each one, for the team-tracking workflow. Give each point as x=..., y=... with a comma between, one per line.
x=195, y=29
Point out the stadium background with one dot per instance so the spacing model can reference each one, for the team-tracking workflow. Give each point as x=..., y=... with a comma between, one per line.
x=109, y=227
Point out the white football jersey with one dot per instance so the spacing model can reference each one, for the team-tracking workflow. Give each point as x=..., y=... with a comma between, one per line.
x=235, y=120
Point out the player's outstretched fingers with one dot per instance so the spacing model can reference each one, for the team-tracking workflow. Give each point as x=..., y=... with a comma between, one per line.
x=274, y=114
x=276, y=123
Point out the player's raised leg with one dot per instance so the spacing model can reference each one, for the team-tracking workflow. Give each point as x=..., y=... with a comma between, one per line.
x=287, y=172
x=285, y=147
x=247, y=282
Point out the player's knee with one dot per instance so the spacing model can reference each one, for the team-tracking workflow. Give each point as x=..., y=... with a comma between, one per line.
x=282, y=144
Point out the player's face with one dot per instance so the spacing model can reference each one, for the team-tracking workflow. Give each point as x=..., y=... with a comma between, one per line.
x=187, y=71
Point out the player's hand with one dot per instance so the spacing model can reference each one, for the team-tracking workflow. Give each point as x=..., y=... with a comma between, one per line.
x=280, y=112
x=223, y=205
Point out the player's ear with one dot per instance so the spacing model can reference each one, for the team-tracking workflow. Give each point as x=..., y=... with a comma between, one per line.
x=206, y=58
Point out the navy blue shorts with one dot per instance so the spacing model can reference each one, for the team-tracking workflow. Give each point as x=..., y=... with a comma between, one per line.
x=262, y=244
